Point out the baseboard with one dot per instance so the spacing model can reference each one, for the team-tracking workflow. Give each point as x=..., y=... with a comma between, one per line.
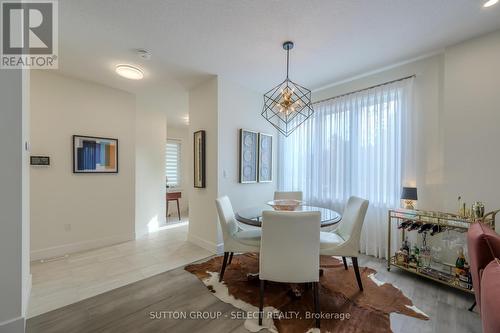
x=16, y=325
x=207, y=245
x=61, y=250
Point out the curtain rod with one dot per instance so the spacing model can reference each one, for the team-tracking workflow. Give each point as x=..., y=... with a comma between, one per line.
x=360, y=90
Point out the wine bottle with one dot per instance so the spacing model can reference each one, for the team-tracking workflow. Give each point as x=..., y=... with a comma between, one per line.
x=406, y=246
x=405, y=224
x=436, y=229
x=425, y=227
x=414, y=225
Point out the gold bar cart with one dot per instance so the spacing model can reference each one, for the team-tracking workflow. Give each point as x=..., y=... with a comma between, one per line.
x=444, y=220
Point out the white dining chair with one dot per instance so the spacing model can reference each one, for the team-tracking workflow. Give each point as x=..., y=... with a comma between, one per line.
x=296, y=195
x=344, y=240
x=235, y=239
x=289, y=251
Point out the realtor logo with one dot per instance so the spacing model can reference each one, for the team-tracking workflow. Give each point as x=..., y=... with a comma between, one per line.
x=29, y=34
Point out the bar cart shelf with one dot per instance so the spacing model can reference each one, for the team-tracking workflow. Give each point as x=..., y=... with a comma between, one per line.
x=443, y=220
x=453, y=284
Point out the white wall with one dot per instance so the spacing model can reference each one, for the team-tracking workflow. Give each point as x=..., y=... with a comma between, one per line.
x=203, y=115
x=73, y=212
x=151, y=133
x=472, y=122
x=181, y=133
x=222, y=107
x=14, y=205
x=240, y=107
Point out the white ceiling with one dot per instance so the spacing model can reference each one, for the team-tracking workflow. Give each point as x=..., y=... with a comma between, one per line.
x=241, y=39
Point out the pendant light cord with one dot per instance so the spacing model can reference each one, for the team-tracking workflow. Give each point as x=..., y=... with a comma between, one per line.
x=287, y=61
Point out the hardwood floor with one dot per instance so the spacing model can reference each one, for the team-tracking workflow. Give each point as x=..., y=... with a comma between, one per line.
x=128, y=309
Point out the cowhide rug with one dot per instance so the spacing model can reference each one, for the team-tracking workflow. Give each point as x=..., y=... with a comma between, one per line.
x=349, y=309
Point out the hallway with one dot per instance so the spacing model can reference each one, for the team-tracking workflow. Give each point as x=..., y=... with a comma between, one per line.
x=86, y=274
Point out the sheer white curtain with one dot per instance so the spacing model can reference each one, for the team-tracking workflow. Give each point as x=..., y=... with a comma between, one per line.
x=359, y=144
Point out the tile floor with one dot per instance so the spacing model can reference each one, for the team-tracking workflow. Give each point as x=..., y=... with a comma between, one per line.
x=86, y=274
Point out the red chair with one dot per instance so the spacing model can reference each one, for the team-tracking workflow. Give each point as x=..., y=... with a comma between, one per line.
x=484, y=251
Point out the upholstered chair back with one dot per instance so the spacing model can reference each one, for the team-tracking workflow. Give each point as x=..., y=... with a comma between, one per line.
x=288, y=195
x=227, y=220
x=352, y=219
x=484, y=245
x=289, y=247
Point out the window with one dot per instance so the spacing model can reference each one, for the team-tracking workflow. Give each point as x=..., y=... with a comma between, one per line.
x=173, y=163
x=358, y=144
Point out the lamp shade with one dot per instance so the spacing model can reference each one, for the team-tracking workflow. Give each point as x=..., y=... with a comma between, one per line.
x=409, y=193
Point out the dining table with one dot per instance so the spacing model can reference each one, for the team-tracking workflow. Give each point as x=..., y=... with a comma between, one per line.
x=253, y=215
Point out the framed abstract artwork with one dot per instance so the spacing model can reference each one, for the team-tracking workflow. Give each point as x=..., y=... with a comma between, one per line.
x=199, y=159
x=94, y=154
x=248, y=156
x=265, y=158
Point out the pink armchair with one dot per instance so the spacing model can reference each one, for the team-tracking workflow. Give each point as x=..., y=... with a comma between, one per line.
x=484, y=246
x=484, y=251
x=490, y=296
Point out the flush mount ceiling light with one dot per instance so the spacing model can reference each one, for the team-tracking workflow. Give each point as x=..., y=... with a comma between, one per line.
x=129, y=72
x=287, y=105
x=490, y=3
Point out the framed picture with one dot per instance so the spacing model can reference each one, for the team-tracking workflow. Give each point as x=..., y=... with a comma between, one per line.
x=265, y=158
x=199, y=159
x=94, y=154
x=248, y=156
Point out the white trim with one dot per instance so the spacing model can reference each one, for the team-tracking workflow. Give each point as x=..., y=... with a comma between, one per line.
x=207, y=245
x=220, y=248
x=380, y=70
x=27, y=294
x=14, y=325
x=61, y=250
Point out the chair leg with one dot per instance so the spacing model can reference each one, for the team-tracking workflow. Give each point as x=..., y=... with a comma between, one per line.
x=345, y=262
x=356, y=271
x=316, y=303
x=472, y=306
x=230, y=258
x=223, y=268
x=178, y=210
x=261, y=302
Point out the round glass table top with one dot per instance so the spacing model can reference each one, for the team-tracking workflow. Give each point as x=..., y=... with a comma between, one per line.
x=253, y=215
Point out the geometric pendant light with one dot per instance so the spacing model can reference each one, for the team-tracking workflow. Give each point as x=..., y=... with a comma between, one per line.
x=287, y=105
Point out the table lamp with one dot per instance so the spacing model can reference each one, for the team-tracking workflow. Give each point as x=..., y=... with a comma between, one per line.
x=409, y=195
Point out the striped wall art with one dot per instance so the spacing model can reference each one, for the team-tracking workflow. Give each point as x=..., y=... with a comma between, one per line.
x=95, y=154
